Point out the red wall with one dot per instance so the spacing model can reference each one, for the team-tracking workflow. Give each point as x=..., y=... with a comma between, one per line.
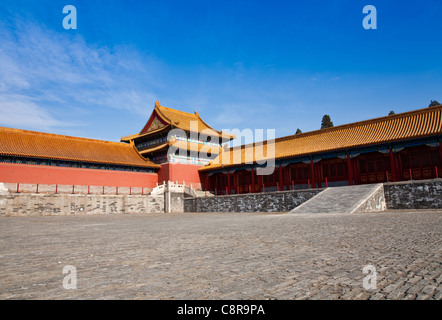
x=180, y=172
x=24, y=173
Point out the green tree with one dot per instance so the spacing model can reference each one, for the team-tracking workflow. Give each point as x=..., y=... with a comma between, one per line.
x=433, y=103
x=326, y=122
x=298, y=131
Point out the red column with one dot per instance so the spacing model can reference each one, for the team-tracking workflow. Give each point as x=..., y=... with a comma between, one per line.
x=235, y=181
x=349, y=170
x=440, y=152
x=312, y=174
x=228, y=182
x=287, y=177
x=318, y=173
x=260, y=180
x=281, y=186
x=356, y=170
x=253, y=180
x=393, y=166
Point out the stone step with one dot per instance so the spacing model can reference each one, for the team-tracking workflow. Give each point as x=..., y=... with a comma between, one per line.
x=3, y=189
x=347, y=199
x=200, y=193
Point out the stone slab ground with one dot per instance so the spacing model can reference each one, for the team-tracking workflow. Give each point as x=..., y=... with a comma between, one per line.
x=223, y=256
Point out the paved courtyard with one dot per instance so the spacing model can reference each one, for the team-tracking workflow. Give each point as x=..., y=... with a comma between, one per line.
x=223, y=256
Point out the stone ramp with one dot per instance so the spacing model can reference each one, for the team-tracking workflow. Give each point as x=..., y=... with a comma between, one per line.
x=3, y=189
x=348, y=199
x=201, y=193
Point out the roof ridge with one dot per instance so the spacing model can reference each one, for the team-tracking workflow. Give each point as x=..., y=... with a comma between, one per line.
x=176, y=110
x=195, y=115
x=362, y=122
x=161, y=114
x=60, y=135
x=346, y=125
x=146, y=159
x=138, y=135
x=419, y=123
x=210, y=127
x=37, y=144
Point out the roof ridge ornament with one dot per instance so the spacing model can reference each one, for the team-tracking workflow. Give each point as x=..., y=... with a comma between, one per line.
x=157, y=103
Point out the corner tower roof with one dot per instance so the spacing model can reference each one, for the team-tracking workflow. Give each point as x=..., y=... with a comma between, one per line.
x=163, y=118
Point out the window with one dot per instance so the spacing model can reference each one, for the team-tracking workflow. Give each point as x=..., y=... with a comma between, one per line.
x=435, y=159
x=425, y=160
x=405, y=161
x=363, y=166
x=415, y=161
x=340, y=169
x=379, y=165
x=333, y=170
x=325, y=170
x=370, y=165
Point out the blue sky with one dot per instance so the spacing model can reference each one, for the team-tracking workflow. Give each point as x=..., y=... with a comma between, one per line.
x=241, y=64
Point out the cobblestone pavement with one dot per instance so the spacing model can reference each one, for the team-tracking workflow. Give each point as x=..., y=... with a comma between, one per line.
x=223, y=256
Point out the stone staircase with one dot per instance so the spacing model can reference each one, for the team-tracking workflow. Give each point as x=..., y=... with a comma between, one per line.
x=3, y=189
x=174, y=187
x=201, y=193
x=348, y=199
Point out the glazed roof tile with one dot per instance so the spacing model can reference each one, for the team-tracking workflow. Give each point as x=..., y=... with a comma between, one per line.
x=181, y=120
x=403, y=126
x=17, y=142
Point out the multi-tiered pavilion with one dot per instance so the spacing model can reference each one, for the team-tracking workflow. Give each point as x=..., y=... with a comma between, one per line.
x=180, y=142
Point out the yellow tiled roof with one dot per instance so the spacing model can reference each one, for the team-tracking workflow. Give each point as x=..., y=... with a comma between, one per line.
x=408, y=125
x=182, y=120
x=34, y=144
x=158, y=147
x=138, y=135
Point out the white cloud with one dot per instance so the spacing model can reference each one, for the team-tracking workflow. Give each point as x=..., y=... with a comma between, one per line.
x=42, y=71
x=21, y=112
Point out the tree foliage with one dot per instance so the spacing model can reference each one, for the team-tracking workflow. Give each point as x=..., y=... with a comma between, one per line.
x=326, y=122
x=433, y=103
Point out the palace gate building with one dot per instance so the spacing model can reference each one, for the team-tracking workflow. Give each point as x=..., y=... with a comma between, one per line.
x=180, y=142
x=179, y=146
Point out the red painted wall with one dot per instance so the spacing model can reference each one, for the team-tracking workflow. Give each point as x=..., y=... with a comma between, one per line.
x=180, y=172
x=163, y=173
x=24, y=173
